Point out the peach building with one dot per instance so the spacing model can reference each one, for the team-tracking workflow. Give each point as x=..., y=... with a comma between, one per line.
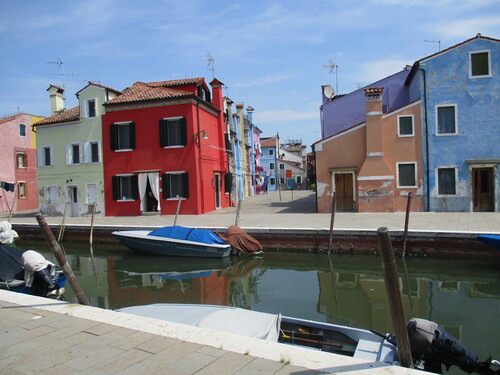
x=372, y=166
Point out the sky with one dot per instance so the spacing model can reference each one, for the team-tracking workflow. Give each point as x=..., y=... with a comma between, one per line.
x=271, y=55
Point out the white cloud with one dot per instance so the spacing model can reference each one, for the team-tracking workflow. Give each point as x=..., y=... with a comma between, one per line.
x=372, y=71
x=285, y=115
x=468, y=28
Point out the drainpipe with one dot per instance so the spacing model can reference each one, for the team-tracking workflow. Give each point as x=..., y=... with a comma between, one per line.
x=426, y=140
x=199, y=156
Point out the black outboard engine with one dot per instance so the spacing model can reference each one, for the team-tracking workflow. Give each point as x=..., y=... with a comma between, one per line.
x=431, y=344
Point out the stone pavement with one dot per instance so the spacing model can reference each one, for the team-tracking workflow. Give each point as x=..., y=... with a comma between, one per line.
x=284, y=211
x=42, y=336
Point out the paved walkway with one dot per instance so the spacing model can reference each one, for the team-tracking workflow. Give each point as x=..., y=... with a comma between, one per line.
x=297, y=212
x=42, y=336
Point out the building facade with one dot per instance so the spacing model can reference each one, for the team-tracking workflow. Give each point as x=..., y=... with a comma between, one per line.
x=18, y=168
x=165, y=149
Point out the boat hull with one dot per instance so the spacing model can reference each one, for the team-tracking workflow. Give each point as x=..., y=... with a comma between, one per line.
x=142, y=242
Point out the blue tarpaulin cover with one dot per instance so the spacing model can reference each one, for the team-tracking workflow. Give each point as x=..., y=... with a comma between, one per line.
x=188, y=234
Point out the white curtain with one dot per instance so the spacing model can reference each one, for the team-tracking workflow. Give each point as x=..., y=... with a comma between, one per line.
x=143, y=181
x=154, y=182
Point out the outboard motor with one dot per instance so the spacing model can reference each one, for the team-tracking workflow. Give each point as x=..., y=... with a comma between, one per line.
x=431, y=344
x=39, y=274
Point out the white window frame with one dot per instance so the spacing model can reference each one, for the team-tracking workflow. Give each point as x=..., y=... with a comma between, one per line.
x=272, y=181
x=437, y=118
x=437, y=180
x=24, y=158
x=41, y=156
x=172, y=119
x=412, y=126
x=415, y=177
x=271, y=152
x=25, y=131
x=87, y=112
x=127, y=199
x=70, y=156
x=490, y=74
x=123, y=123
x=282, y=166
x=88, y=152
x=88, y=198
x=47, y=190
x=297, y=178
x=272, y=166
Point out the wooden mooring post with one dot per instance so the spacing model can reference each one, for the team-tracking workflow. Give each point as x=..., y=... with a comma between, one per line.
x=332, y=220
x=394, y=296
x=61, y=259
x=178, y=209
x=407, y=220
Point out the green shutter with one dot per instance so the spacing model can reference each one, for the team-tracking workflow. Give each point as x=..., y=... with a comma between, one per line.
x=228, y=182
x=114, y=136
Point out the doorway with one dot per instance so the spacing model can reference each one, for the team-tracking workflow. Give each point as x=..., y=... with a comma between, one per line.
x=483, y=189
x=217, y=183
x=73, y=201
x=151, y=201
x=344, y=187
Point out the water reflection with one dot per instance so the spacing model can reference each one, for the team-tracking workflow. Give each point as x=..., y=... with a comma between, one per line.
x=462, y=295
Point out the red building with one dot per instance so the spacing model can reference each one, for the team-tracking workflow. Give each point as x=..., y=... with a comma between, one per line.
x=165, y=141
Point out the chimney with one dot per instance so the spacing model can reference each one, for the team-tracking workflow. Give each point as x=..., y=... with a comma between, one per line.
x=239, y=109
x=217, y=93
x=250, y=114
x=373, y=97
x=56, y=99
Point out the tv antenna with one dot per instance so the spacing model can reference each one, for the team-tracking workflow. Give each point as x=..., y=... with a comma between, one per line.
x=435, y=41
x=333, y=67
x=60, y=64
x=211, y=64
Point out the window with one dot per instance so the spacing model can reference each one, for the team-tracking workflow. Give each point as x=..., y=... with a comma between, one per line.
x=52, y=194
x=122, y=136
x=45, y=156
x=407, y=174
x=91, y=193
x=124, y=187
x=446, y=119
x=22, y=159
x=92, y=152
x=173, y=132
x=271, y=166
x=405, y=126
x=446, y=180
x=22, y=130
x=74, y=153
x=272, y=181
x=271, y=151
x=282, y=181
x=298, y=179
x=22, y=189
x=282, y=166
x=175, y=184
x=480, y=64
x=91, y=108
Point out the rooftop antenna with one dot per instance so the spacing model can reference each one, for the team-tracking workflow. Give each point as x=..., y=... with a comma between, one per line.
x=211, y=64
x=332, y=66
x=59, y=65
x=435, y=41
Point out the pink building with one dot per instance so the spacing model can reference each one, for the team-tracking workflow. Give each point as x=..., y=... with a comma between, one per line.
x=18, y=166
x=372, y=166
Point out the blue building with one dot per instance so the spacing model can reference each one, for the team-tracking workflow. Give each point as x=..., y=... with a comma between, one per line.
x=459, y=88
x=269, y=161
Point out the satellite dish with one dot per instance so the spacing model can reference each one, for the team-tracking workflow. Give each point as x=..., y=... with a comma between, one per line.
x=329, y=92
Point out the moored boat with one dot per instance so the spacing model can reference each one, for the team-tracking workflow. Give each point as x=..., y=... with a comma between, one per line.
x=492, y=240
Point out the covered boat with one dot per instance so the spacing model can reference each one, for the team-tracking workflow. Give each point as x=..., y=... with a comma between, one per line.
x=492, y=240
x=176, y=241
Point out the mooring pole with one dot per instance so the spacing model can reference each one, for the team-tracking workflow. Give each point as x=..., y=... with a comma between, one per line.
x=407, y=220
x=394, y=295
x=92, y=223
x=61, y=259
x=178, y=209
x=61, y=228
x=238, y=211
x=332, y=219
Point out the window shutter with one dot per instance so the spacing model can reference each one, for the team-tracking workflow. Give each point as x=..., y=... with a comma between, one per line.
x=69, y=153
x=132, y=135
x=87, y=153
x=80, y=150
x=182, y=124
x=163, y=133
x=40, y=156
x=165, y=184
x=51, y=153
x=114, y=136
x=116, y=188
x=185, y=185
x=25, y=160
x=135, y=186
x=228, y=182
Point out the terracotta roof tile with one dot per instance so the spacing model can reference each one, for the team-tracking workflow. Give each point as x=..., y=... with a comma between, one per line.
x=177, y=82
x=71, y=114
x=269, y=142
x=141, y=91
x=99, y=85
x=10, y=118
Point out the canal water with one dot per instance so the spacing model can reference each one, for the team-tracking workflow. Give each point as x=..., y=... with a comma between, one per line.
x=463, y=296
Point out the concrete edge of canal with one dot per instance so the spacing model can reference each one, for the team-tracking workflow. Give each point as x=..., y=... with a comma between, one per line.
x=310, y=240
x=297, y=356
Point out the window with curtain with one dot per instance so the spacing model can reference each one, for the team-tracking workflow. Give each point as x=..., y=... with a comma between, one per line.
x=124, y=187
